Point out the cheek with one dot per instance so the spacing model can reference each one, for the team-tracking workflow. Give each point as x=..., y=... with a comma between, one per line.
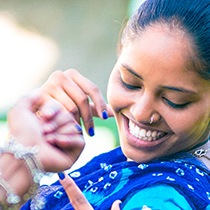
x=117, y=97
x=186, y=124
x=114, y=99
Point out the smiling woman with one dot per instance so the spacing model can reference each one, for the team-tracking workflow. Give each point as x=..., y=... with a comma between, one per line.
x=158, y=92
x=151, y=73
x=159, y=95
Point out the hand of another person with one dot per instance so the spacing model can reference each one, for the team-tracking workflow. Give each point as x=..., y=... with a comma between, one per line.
x=74, y=92
x=77, y=199
x=55, y=132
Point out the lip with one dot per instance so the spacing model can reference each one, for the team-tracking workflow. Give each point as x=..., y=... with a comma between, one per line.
x=137, y=142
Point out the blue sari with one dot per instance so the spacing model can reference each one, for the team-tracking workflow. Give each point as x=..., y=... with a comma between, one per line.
x=110, y=176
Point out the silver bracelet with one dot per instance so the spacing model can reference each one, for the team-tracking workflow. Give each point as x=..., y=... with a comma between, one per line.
x=12, y=198
x=27, y=154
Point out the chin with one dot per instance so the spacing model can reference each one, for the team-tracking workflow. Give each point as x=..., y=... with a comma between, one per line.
x=138, y=156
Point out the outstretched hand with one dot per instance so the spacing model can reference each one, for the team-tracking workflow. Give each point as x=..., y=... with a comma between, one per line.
x=77, y=199
x=53, y=130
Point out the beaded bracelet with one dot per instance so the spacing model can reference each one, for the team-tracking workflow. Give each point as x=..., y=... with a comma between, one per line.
x=27, y=154
x=12, y=198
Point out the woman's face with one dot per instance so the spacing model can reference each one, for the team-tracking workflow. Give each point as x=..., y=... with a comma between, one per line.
x=152, y=78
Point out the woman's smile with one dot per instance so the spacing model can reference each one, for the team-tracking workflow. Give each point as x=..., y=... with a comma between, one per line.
x=142, y=136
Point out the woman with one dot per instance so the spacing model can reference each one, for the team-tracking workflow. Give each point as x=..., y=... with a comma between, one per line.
x=159, y=94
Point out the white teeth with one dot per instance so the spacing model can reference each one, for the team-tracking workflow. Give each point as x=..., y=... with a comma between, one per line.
x=150, y=138
x=154, y=133
x=136, y=130
x=143, y=134
x=149, y=133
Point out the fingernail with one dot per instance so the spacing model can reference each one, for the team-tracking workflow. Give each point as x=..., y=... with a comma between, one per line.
x=61, y=175
x=91, y=131
x=78, y=127
x=105, y=114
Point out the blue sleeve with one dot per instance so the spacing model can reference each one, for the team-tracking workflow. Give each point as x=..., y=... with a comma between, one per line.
x=159, y=196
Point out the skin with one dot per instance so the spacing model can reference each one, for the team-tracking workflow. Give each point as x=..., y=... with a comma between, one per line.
x=77, y=199
x=73, y=91
x=152, y=77
x=54, y=131
x=152, y=73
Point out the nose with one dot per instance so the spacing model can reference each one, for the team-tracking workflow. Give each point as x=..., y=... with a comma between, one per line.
x=144, y=109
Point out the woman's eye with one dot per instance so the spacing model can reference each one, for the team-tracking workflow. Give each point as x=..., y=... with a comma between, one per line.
x=176, y=106
x=128, y=86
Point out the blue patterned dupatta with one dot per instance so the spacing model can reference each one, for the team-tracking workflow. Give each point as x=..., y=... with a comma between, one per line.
x=109, y=177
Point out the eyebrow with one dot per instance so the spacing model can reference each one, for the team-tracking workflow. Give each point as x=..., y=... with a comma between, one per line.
x=131, y=71
x=179, y=89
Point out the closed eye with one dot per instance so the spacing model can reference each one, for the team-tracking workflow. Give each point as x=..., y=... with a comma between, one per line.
x=128, y=86
x=176, y=106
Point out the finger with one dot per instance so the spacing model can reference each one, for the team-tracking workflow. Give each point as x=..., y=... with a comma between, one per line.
x=50, y=109
x=64, y=89
x=53, y=88
x=79, y=105
x=81, y=98
x=77, y=199
x=64, y=134
x=90, y=89
x=67, y=102
x=70, y=142
x=61, y=123
x=73, y=91
x=116, y=205
x=108, y=109
x=69, y=128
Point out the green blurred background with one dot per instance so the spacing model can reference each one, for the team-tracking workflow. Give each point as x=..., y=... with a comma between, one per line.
x=39, y=37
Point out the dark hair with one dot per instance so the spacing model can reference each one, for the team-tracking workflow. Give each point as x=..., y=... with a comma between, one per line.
x=189, y=16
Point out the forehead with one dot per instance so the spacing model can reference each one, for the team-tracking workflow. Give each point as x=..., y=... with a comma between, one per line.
x=164, y=44
x=159, y=52
x=157, y=46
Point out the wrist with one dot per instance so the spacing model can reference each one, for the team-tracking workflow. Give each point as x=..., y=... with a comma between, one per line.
x=23, y=168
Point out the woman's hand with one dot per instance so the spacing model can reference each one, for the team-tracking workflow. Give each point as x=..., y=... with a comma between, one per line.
x=74, y=92
x=77, y=199
x=53, y=130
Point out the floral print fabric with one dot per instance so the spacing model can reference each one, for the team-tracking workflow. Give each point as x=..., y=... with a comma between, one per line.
x=109, y=176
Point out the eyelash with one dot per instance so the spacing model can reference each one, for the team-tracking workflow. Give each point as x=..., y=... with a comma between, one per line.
x=128, y=86
x=171, y=104
x=176, y=106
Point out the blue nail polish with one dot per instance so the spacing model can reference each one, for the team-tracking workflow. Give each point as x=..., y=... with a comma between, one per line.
x=78, y=127
x=91, y=132
x=61, y=175
x=105, y=115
